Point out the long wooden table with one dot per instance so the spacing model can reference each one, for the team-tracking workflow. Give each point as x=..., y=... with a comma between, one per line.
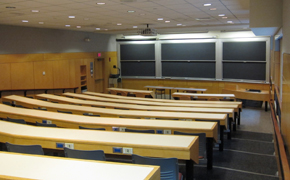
x=113, y=124
x=68, y=100
x=26, y=166
x=250, y=95
x=152, y=145
x=131, y=91
x=176, y=88
x=204, y=96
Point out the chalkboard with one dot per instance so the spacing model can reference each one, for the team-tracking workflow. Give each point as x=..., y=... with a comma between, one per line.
x=142, y=68
x=188, y=69
x=188, y=51
x=240, y=70
x=137, y=51
x=245, y=51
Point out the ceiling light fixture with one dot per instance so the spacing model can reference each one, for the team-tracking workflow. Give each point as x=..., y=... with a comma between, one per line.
x=119, y=24
x=160, y=19
x=24, y=21
x=130, y=11
x=230, y=22
x=79, y=26
x=167, y=21
x=225, y=17
x=178, y=24
x=207, y=4
x=98, y=29
x=71, y=17
x=135, y=26
x=35, y=11
x=67, y=25
x=40, y=22
x=221, y=15
x=212, y=9
x=101, y=3
x=86, y=19
x=142, y=14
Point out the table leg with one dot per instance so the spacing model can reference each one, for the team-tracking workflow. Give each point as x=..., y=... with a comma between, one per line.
x=266, y=106
x=189, y=170
x=239, y=117
x=235, y=122
x=209, y=152
x=221, y=145
x=230, y=127
x=169, y=93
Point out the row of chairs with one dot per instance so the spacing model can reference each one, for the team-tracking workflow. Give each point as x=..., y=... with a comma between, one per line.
x=169, y=169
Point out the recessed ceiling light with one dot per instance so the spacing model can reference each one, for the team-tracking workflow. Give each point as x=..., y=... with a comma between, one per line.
x=35, y=11
x=225, y=17
x=24, y=20
x=135, y=26
x=221, y=14
x=79, y=26
x=98, y=28
x=229, y=21
x=142, y=14
x=106, y=29
x=40, y=22
x=167, y=21
x=130, y=11
x=119, y=24
x=178, y=24
x=86, y=19
x=67, y=25
x=160, y=19
x=207, y=4
x=101, y=3
x=212, y=9
x=71, y=17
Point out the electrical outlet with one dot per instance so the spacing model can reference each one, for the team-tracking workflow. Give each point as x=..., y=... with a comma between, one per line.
x=48, y=122
x=59, y=145
x=122, y=129
x=115, y=128
x=117, y=150
x=69, y=145
x=167, y=131
x=127, y=150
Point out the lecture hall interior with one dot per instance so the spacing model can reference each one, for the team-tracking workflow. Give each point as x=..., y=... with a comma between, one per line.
x=55, y=49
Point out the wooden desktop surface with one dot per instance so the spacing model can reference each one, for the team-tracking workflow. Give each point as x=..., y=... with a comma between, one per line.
x=176, y=88
x=26, y=166
x=195, y=95
x=243, y=94
x=152, y=145
x=68, y=100
x=133, y=91
x=74, y=121
x=162, y=100
x=31, y=103
x=150, y=103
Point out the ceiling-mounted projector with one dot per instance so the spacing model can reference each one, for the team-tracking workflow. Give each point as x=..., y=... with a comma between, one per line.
x=147, y=31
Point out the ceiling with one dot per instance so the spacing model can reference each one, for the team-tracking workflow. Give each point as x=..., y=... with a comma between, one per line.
x=182, y=14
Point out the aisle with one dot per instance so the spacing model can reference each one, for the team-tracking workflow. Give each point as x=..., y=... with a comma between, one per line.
x=249, y=155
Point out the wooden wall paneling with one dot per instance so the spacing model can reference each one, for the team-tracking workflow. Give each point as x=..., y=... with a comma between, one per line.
x=17, y=58
x=78, y=63
x=22, y=75
x=277, y=69
x=52, y=56
x=5, y=76
x=90, y=79
x=42, y=80
x=285, y=119
x=78, y=55
x=99, y=74
x=72, y=73
x=57, y=91
x=61, y=74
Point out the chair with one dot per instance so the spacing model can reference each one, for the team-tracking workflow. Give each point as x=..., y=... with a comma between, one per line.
x=20, y=121
x=45, y=125
x=28, y=149
x=213, y=99
x=168, y=166
x=89, y=114
x=82, y=127
x=202, y=142
x=185, y=98
x=68, y=112
x=20, y=106
x=84, y=154
x=150, y=131
x=7, y=103
x=39, y=108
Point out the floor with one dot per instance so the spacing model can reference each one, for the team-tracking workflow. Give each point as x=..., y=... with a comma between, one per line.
x=249, y=155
